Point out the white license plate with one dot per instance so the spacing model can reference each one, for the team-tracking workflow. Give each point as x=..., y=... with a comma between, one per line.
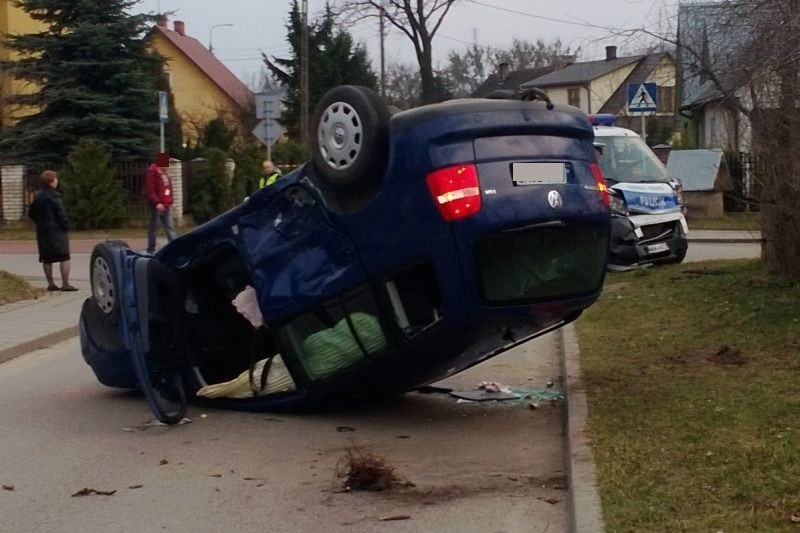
x=657, y=248
x=537, y=173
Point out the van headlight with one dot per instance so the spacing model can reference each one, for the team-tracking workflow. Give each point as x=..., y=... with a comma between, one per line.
x=617, y=205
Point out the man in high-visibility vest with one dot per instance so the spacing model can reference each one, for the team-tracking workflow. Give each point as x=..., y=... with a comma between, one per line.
x=270, y=175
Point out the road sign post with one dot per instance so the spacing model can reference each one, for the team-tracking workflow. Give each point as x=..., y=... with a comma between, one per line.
x=163, y=114
x=642, y=99
x=268, y=130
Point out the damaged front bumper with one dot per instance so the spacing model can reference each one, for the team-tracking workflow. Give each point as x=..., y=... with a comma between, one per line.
x=640, y=240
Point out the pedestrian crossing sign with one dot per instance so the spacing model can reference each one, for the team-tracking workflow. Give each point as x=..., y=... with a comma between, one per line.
x=642, y=98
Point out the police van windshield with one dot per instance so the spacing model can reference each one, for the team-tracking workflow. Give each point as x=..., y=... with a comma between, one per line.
x=629, y=160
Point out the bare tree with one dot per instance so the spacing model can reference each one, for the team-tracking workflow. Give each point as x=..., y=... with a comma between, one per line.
x=419, y=20
x=740, y=62
x=402, y=86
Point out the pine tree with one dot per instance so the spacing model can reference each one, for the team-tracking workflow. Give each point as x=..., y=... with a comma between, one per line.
x=94, y=76
x=333, y=60
x=92, y=196
x=211, y=190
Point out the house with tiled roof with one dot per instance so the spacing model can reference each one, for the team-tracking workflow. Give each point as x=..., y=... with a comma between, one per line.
x=710, y=33
x=601, y=87
x=506, y=79
x=13, y=20
x=202, y=86
x=587, y=84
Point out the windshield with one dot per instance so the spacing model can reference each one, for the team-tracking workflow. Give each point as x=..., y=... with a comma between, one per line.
x=629, y=160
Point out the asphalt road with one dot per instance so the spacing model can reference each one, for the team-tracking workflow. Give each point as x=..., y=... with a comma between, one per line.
x=474, y=467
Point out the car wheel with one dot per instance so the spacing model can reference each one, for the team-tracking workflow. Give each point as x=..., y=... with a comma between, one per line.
x=102, y=273
x=350, y=144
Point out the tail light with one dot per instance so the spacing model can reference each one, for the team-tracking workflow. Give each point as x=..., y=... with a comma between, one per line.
x=602, y=186
x=455, y=191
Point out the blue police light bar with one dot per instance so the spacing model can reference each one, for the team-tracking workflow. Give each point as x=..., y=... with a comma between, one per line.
x=603, y=119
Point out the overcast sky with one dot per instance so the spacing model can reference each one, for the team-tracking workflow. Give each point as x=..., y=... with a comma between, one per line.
x=260, y=25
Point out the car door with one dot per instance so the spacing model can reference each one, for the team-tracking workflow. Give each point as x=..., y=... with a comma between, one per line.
x=144, y=283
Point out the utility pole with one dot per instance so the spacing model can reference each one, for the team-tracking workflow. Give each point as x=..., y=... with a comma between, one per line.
x=383, y=54
x=304, y=136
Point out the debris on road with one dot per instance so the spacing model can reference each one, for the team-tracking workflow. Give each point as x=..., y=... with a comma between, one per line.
x=395, y=517
x=8, y=487
x=494, y=391
x=486, y=391
x=88, y=491
x=364, y=470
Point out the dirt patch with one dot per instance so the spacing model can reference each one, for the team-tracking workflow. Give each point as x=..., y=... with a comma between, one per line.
x=728, y=355
x=725, y=355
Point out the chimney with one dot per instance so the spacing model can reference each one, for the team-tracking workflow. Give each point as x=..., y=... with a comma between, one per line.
x=611, y=52
x=162, y=22
x=180, y=27
x=503, y=71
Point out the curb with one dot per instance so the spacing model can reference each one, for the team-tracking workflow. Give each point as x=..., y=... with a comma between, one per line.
x=722, y=240
x=37, y=344
x=584, y=508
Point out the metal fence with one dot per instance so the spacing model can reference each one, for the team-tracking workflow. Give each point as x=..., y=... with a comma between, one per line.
x=746, y=172
x=130, y=176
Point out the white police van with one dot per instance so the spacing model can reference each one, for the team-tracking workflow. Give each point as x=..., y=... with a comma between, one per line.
x=648, y=223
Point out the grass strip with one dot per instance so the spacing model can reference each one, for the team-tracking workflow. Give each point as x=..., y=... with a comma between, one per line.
x=13, y=289
x=691, y=375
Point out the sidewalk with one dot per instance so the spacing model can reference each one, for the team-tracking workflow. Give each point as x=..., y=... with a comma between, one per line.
x=33, y=324
x=723, y=236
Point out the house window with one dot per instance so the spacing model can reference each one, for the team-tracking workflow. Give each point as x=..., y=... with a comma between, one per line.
x=666, y=96
x=574, y=97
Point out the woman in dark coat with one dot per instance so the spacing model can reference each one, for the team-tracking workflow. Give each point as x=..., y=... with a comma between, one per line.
x=47, y=212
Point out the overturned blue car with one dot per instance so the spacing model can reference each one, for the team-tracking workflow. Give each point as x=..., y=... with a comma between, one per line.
x=409, y=248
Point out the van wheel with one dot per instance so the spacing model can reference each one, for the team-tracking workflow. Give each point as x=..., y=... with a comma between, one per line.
x=350, y=145
x=103, y=275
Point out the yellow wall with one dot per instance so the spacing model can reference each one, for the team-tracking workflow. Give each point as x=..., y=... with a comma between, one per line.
x=13, y=20
x=596, y=93
x=197, y=99
x=603, y=87
x=664, y=76
x=558, y=95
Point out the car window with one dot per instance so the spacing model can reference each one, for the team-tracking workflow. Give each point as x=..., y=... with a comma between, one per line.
x=629, y=160
x=336, y=335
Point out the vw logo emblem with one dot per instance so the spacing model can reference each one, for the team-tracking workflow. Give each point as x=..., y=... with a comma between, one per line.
x=555, y=200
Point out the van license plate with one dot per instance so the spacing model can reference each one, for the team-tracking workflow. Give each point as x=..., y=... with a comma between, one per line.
x=537, y=173
x=657, y=248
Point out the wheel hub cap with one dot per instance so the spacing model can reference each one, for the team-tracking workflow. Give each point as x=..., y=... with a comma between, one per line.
x=340, y=135
x=103, y=285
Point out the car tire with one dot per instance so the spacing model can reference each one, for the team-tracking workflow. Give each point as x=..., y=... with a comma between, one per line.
x=103, y=275
x=351, y=137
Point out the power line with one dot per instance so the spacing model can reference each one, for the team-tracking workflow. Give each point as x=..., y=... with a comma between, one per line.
x=542, y=17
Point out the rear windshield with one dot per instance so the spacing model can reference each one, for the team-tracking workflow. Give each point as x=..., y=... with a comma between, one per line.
x=629, y=160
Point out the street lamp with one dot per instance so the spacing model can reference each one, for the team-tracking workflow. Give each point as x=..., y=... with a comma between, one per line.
x=211, y=33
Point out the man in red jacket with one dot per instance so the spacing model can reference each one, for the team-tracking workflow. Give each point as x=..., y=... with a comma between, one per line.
x=158, y=192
